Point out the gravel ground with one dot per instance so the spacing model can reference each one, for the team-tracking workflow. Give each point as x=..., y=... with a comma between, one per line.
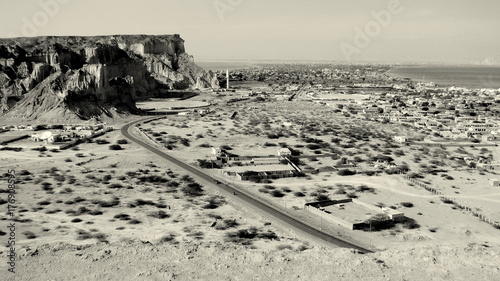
x=137, y=260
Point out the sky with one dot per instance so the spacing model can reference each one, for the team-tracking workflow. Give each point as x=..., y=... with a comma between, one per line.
x=443, y=31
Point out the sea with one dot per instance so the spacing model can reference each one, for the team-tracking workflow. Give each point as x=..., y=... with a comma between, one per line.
x=472, y=77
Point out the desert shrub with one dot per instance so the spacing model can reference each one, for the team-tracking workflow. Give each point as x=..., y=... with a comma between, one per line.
x=109, y=204
x=122, y=216
x=407, y=204
x=53, y=211
x=322, y=197
x=447, y=201
x=408, y=223
x=215, y=202
x=313, y=146
x=115, y=147
x=227, y=223
x=365, y=188
x=47, y=186
x=153, y=179
x=29, y=234
x=95, y=213
x=207, y=164
x=277, y=193
x=101, y=141
x=83, y=235
x=241, y=235
x=346, y=172
x=43, y=203
x=193, y=189
x=187, y=178
x=167, y=238
x=214, y=216
x=135, y=221
x=302, y=248
x=142, y=202
x=159, y=215
x=115, y=185
x=101, y=237
x=76, y=220
x=122, y=141
x=299, y=194
x=268, y=235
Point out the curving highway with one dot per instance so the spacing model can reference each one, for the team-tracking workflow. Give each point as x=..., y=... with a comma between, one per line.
x=278, y=214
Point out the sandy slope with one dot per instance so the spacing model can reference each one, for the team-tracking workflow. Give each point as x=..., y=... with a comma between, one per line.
x=217, y=261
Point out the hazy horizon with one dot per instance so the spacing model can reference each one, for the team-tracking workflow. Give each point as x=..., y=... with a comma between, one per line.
x=405, y=31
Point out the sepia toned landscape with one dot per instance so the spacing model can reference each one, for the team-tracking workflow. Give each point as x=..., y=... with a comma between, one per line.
x=123, y=159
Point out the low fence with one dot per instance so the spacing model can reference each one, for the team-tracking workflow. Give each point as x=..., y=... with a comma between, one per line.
x=454, y=144
x=328, y=217
x=15, y=139
x=453, y=201
x=84, y=139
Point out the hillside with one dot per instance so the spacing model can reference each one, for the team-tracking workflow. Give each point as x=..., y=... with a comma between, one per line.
x=50, y=78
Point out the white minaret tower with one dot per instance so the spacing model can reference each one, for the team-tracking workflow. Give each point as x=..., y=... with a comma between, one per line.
x=227, y=79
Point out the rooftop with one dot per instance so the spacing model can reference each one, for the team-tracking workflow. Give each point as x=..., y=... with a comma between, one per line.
x=350, y=212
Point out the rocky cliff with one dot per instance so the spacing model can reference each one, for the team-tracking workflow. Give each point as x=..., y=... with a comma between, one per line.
x=92, y=77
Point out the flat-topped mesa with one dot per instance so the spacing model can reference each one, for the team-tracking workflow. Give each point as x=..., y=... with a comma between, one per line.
x=114, y=68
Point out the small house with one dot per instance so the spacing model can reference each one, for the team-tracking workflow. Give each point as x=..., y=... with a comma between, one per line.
x=285, y=151
x=495, y=182
x=400, y=139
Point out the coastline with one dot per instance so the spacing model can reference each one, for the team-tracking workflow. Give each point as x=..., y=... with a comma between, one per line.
x=466, y=76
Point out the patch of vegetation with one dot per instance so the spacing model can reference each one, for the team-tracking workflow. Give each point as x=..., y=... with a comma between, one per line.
x=115, y=147
x=101, y=141
x=407, y=204
x=159, y=215
x=214, y=202
x=346, y=172
x=277, y=193
x=29, y=235
x=299, y=194
x=227, y=223
x=245, y=236
x=193, y=189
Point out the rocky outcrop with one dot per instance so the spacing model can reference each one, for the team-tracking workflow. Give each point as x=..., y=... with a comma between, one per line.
x=92, y=77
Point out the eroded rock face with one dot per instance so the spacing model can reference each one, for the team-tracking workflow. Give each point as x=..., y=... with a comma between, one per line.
x=92, y=76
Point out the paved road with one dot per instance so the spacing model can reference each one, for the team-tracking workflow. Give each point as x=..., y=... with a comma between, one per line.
x=248, y=199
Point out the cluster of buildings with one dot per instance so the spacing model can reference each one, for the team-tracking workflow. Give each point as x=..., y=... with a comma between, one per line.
x=446, y=115
x=58, y=133
x=351, y=213
x=256, y=168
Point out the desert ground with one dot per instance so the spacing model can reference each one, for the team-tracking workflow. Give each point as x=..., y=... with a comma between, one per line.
x=95, y=208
